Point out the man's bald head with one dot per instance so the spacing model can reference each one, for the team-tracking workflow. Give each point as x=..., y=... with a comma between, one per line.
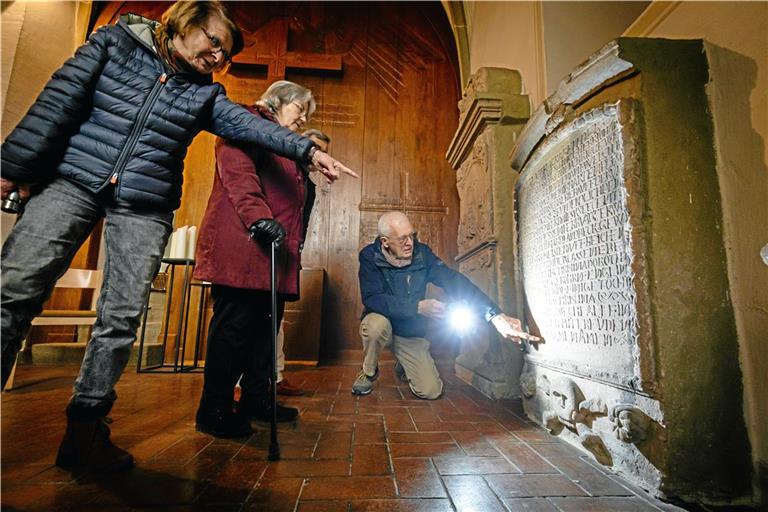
x=390, y=221
x=396, y=234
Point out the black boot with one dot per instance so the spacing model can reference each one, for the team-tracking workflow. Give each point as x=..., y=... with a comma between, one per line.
x=86, y=445
x=260, y=409
x=220, y=421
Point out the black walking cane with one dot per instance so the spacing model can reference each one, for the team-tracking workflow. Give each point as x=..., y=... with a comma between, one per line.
x=274, y=447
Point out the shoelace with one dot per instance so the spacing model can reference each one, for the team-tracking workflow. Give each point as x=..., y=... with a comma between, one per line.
x=363, y=375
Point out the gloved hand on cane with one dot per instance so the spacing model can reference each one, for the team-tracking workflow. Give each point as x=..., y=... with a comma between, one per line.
x=267, y=231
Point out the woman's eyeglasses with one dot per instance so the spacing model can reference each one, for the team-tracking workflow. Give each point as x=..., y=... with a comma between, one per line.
x=302, y=109
x=216, y=45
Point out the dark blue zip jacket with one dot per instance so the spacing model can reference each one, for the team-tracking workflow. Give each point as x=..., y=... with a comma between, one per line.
x=395, y=292
x=115, y=112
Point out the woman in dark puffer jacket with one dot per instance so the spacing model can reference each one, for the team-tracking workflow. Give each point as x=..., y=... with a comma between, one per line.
x=106, y=139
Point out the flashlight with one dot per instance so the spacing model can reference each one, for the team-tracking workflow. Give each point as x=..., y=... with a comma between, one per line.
x=460, y=317
x=12, y=204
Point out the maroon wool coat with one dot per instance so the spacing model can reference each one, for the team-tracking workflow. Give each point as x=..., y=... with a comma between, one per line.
x=251, y=184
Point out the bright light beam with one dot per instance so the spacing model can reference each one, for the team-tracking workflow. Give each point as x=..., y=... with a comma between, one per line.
x=460, y=318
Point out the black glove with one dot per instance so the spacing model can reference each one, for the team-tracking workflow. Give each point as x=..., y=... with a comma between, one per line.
x=267, y=231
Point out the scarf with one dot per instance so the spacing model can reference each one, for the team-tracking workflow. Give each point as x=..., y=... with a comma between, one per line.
x=393, y=260
x=167, y=51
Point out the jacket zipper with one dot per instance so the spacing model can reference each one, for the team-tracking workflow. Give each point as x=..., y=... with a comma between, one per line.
x=138, y=127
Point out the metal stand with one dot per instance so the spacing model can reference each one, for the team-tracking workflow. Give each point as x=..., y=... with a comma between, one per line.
x=181, y=328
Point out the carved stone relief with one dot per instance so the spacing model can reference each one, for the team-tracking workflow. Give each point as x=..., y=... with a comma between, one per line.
x=630, y=424
x=528, y=383
x=479, y=268
x=565, y=407
x=492, y=112
x=475, y=206
x=594, y=444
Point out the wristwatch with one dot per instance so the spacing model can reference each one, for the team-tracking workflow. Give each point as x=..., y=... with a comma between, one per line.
x=491, y=312
x=311, y=154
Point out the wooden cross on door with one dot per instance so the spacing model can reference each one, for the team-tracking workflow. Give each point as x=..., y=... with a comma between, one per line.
x=270, y=49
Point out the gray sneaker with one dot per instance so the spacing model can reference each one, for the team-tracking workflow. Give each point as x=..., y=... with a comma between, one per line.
x=400, y=372
x=364, y=384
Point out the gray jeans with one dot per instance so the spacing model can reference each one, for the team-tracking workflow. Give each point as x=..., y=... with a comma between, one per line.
x=39, y=250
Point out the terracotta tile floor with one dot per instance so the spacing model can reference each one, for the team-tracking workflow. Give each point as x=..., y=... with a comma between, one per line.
x=383, y=452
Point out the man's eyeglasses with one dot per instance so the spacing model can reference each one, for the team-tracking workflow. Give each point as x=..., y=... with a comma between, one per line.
x=402, y=239
x=216, y=45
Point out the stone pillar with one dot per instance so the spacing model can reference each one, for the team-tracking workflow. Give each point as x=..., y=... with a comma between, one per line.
x=492, y=113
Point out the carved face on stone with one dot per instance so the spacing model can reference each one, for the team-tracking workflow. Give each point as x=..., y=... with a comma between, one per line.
x=565, y=397
x=564, y=405
x=630, y=424
x=542, y=382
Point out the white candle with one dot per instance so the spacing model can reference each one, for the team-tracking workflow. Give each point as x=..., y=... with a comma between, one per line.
x=191, y=242
x=179, y=245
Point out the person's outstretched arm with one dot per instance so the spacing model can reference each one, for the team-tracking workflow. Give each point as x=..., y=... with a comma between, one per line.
x=234, y=122
x=459, y=286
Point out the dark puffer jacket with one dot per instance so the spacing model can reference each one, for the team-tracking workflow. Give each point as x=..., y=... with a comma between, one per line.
x=116, y=113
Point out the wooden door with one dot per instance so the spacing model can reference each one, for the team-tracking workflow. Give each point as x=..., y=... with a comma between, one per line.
x=391, y=111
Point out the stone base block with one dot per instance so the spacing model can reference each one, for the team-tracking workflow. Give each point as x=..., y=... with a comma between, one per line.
x=489, y=381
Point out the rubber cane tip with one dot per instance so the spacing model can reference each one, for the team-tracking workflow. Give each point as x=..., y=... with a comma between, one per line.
x=274, y=453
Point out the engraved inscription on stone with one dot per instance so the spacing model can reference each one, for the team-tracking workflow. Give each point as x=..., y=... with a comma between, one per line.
x=575, y=249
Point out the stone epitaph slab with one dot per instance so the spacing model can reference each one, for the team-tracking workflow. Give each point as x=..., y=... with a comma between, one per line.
x=575, y=249
x=622, y=260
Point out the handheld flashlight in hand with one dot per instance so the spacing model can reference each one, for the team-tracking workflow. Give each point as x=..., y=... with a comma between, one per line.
x=12, y=203
x=461, y=318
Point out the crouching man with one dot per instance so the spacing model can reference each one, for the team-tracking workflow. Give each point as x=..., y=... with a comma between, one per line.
x=394, y=273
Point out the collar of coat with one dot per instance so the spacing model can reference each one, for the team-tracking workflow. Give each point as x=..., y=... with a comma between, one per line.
x=142, y=29
x=263, y=112
x=417, y=261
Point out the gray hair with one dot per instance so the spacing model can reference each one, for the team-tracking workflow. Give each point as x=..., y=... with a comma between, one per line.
x=282, y=92
x=388, y=220
x=318, y=134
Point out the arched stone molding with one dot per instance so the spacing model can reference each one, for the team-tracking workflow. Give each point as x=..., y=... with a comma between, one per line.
x=458, y=21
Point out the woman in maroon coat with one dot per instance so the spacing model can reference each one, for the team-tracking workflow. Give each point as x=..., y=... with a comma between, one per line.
x=257, y=197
